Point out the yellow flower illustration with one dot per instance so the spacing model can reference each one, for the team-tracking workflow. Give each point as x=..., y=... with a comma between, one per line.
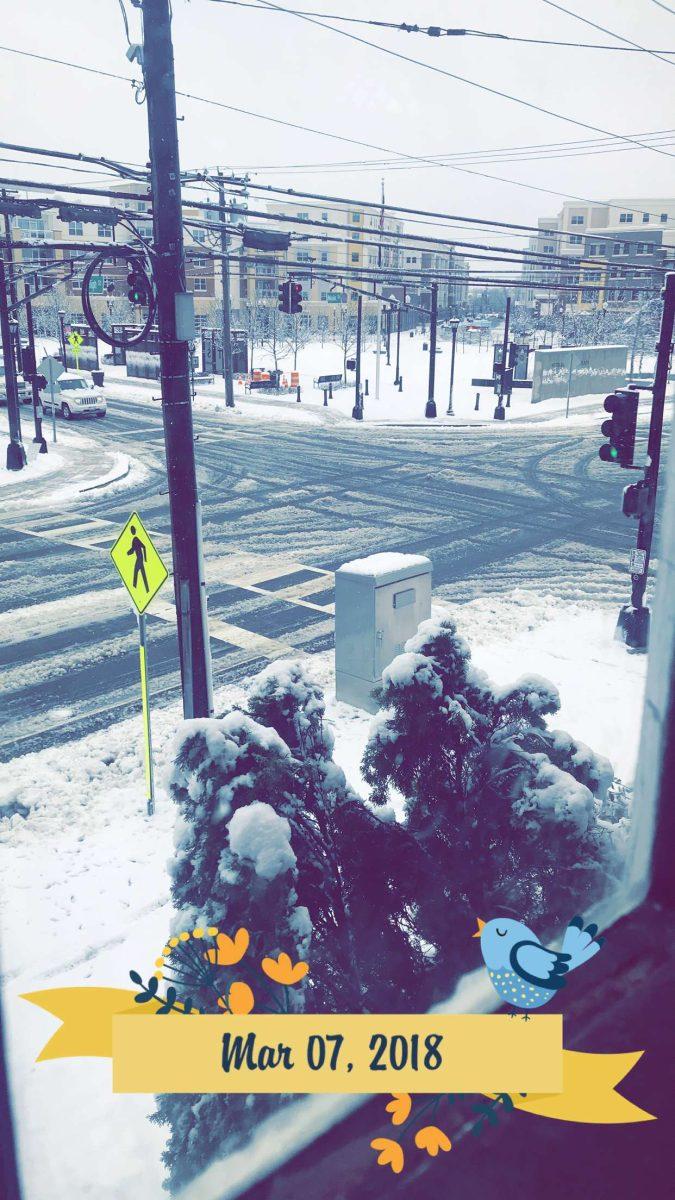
x=229, y=950
x=432, y=1139
x=390, y=1154
x=399, y=1107
x=240, y=999
x=281, y=969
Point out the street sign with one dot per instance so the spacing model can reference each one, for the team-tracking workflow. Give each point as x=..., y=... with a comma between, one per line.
x=75, y=341
x=140, y=566
x=52, y=370
x=96, y=285
x=143, y=573
x=638, y=559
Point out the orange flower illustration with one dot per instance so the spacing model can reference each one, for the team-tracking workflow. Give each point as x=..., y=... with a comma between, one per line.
x=399, y=1107
x=281, y=969
x=229, y=950
x=390, y=1154
x=240, y=999
x=432, y=1139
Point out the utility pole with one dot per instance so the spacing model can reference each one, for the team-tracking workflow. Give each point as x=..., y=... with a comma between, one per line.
x=398, y=345
x=430, y=410
x=454, y=322
x=10, y=254
x=225, y=283
x=633, y=623
x=32, y=366
x=357, y=411
x=175, y=331
x=378, y=345
x=16, y=455
x=499, y=410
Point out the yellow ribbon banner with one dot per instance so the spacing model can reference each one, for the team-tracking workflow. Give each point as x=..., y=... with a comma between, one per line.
x=303, y=1053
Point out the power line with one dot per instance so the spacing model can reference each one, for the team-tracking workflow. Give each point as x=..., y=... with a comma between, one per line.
x=664, y=7
x=463, y=79
x=584, y=20
x=438, y=31
x=324, y=133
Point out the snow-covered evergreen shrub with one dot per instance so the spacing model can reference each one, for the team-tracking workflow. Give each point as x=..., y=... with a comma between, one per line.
x=234, y=866
x=512, y=814
x=358, y=876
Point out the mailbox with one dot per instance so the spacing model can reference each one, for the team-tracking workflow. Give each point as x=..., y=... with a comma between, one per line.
x=379, y=603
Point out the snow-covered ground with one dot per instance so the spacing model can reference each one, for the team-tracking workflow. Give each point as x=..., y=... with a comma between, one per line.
x=85, y=888
x=393, y=406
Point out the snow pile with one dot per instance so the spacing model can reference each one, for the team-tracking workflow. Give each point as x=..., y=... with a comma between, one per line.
x=259, y=835
x=386, y=563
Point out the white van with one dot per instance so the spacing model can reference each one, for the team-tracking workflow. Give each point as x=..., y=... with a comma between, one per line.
x=76, y=395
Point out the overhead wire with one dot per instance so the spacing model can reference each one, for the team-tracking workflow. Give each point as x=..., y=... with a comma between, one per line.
x=593, y=24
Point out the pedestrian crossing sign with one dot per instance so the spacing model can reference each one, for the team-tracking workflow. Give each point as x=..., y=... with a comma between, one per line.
x=138, y=562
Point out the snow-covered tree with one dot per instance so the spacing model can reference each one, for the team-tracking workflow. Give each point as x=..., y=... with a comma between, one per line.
x=510, y=812
x=233, y=782
x=358, y=875
x=344, y=332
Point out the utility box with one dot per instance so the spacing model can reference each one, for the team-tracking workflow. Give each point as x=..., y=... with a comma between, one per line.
x=379, y=604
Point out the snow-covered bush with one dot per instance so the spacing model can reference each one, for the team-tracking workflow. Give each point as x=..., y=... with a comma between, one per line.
x=513, y=815
x=234, y=784
x=357, y=875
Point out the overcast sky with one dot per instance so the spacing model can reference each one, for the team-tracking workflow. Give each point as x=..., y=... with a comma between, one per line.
x=285, y=67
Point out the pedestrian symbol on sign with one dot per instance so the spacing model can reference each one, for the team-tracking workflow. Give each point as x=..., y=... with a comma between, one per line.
x=138, y=548
x=138, y=562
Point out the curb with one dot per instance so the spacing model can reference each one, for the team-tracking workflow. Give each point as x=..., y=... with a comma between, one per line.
x=92, y=487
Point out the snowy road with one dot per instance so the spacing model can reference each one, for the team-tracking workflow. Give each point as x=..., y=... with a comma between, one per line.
x=284, y=503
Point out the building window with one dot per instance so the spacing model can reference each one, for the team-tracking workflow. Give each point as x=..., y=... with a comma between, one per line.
x=75, y=228
x=663, y=218
x=356, y=217
x=576, y=221
x=303, y=216
x=199, y=284
x=198, y=262
x=355, y=256
x=575, y=238
x=593, y=249
x=324, y=256
x=324, y=216
x=303, y=256
x=105, y=231
x=626, y=218
x=645, y=218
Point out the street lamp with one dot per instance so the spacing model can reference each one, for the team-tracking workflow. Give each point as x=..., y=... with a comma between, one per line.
x=62, y=336
x=453, y=323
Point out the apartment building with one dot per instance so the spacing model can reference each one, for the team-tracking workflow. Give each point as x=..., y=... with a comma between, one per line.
x=613, y=254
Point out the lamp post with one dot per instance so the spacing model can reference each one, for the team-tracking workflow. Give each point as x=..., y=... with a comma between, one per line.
x=62, y=338
x=453, y=323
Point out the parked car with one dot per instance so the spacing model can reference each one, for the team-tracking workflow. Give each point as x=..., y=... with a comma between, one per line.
x=25, y=394
x=77, y=396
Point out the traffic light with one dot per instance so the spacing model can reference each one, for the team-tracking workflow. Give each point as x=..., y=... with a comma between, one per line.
x=285, y=296
x=138, y=286
x=620, y=428
x=290, y=296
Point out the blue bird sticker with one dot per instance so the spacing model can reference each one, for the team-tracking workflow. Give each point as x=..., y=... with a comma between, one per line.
x=523, y=972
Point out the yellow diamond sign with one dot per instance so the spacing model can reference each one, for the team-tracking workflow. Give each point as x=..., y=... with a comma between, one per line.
x=140, y=566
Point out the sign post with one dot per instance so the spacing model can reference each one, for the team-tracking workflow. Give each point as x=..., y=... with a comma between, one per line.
x=142, y=572
x=52, y=370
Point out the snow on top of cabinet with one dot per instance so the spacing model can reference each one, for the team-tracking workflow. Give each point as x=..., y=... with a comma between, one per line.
x=387, y=566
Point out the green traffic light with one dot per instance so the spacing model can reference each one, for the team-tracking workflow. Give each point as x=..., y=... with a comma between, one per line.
x=614, y=453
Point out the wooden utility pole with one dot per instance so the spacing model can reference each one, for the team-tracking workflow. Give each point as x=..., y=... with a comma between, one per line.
x=225, y=283
x=175, y=320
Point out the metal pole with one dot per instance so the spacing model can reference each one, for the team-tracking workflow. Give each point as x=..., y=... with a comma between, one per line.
x=430, y=410
x=569, y=384
x=225, y=283
x=10, y=253
x=357, y=411
x=452, y=368
x=37, y=407
x=169, y=272
x=16, y=455
x=378, y=349
x=398, y=345
x=62, y=335
x=387, y=333
x=505, y=351
x=636, y=623
x=145, y=701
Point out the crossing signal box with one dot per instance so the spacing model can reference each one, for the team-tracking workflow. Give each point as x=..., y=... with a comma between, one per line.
x=620, y=428
x=290, y=297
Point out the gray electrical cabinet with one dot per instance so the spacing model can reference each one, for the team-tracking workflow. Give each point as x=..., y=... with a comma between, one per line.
x=379, y=603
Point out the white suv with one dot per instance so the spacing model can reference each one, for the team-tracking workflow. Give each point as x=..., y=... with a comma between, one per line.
x=24, y=390
x=77, y=396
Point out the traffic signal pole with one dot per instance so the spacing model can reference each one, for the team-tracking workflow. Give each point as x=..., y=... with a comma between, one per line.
x=633, y=624
x=169, y=274
x=16, y=455
x=37, y=406
x=225, y=283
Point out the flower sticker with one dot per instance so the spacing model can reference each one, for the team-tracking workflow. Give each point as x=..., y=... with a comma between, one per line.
x=390, y=1154
x=229, y=951
x=399, y=1107
x=240, y=999
x=432, y=1139
x=281, y=970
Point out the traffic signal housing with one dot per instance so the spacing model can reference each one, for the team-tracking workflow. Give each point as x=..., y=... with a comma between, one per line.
x=620, y=428
x=290, y=297
x=138, y=286
x=635, y=500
